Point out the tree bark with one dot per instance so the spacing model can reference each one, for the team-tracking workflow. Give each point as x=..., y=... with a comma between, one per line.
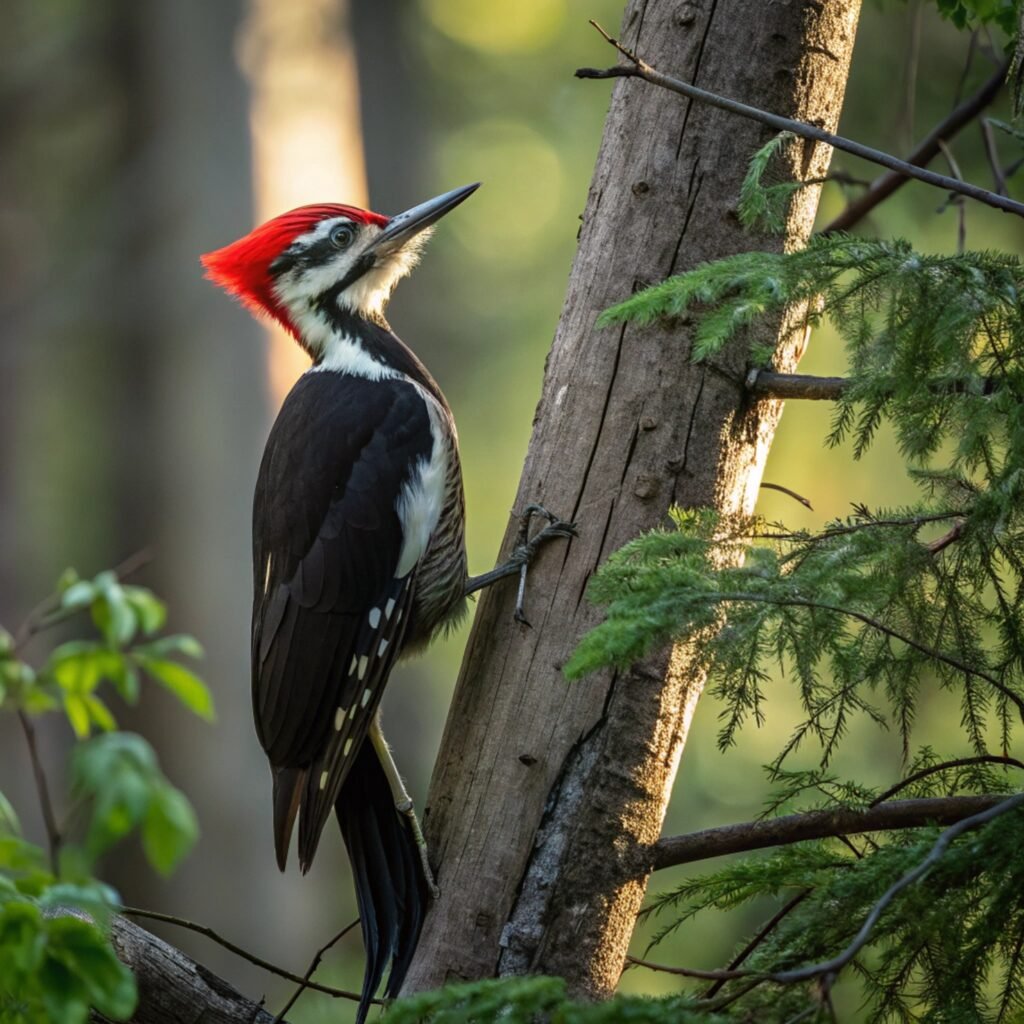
x=173, y=988
x=546, y=797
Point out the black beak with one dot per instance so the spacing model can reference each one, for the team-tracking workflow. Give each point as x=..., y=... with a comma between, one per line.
x=403, y=226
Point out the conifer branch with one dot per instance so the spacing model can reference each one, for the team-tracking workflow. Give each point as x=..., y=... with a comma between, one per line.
x=638, y=68
x=960, y=762
x=823, y=824
x=880, y=627
x=829, y=968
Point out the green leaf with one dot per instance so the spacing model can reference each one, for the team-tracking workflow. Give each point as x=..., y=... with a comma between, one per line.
x=118, y=771
x=183, y=683
x=175, y=643
x=114, y=616
x=170, y=829
x=97, y=900
x=77, y=711
x=8, y=817
x=151, y=611
x=21, y=938
x=6, y=643
x=68, y=577
x=99, y=713
x=85, y=953
x=78, y=595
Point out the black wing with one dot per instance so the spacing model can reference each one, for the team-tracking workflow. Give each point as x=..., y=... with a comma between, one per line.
x=328, y=613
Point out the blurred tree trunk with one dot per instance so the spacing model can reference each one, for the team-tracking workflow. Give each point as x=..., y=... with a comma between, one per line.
x=546, y=796
x=305, y=118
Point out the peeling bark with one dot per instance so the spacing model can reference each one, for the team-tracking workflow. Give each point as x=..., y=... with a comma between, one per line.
x=546, y=796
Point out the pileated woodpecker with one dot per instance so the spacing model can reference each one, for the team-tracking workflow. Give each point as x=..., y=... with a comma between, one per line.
x=358, y=547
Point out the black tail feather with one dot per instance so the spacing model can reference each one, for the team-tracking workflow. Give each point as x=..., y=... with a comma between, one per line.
x=390, y=888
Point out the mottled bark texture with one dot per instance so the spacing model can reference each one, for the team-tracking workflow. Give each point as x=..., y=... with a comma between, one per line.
x=546, y=796
x=173, y=988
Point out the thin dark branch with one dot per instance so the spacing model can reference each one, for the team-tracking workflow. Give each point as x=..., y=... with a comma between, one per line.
x=785, y=490
x=766, y=929
x=173, y=987
x=878, y=626
x=640, y=69
x=768, y=384
x=202, y=929
x=951, y=536
x=53, y=834
x=988, y=137
x=957, y=200
x=926, y=151
x=823, y=824
x=313, y=965
x=688, y=972
x=829, y=968
x=914, y=522
x=960, y=762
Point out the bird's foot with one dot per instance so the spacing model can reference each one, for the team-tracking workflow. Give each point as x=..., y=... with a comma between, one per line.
x=528, y=546
x=523, y=553
x=406, y=807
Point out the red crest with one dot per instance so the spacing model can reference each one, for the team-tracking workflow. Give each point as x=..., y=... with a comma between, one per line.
x=243, y=268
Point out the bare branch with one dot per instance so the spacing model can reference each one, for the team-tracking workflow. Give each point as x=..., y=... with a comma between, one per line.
x=824, y=824
x=768, y=384
x=927, y=149
x=766, y=929
x=173, y=988
x=960, y=762
x=202, y=929
x=640, y=69
x=53, y=834
x=988, y=137
x=314, y=964
x=829, y=968
x=785, y=490
x=688, y=972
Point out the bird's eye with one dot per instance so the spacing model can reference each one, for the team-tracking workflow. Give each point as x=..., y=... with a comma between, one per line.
x=343, y=236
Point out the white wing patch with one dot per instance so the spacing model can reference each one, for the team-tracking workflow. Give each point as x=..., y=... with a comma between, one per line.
x=422, y=498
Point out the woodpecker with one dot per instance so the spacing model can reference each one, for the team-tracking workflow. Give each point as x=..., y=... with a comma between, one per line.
x=358, y=547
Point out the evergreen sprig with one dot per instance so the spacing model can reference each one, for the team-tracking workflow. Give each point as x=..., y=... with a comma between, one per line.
x=862, y=614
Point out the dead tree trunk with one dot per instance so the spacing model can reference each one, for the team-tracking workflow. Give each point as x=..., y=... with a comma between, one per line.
x=547, y=795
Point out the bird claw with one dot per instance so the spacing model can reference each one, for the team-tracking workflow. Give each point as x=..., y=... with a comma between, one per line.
x=527, y=547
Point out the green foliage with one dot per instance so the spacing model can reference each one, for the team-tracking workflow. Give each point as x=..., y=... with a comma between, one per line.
x=972, y=13
x=916, y=966
x=866, y=616
x=56, y=959
x=526, y=1000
